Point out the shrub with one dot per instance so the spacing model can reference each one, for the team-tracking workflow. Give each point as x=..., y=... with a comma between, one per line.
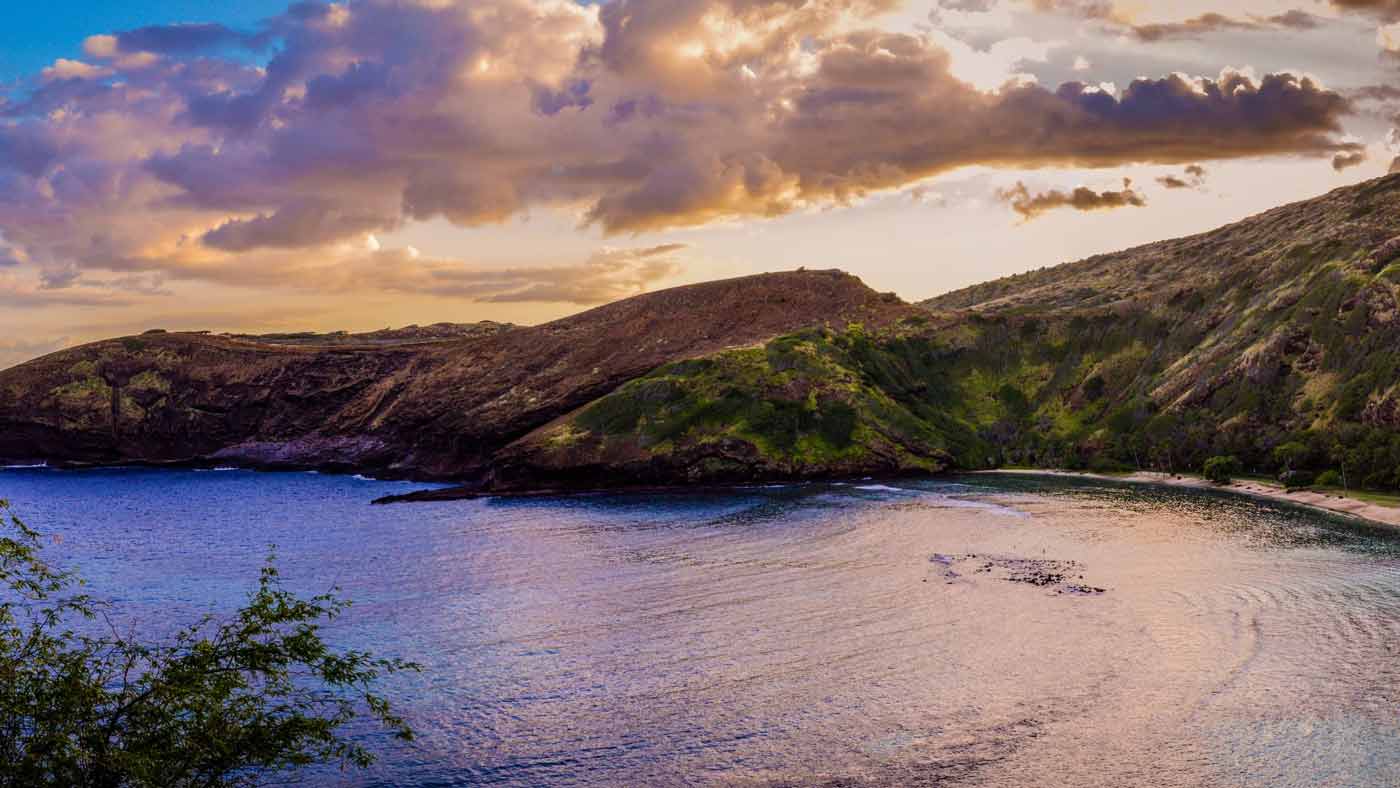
x=1292, y=479
x=1221, y=470
x=1329, y=479
x=225, y=702
x=1100, y=464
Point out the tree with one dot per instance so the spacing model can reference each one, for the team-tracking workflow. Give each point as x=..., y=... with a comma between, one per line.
x=1291, y=454
x=224, y=703
x=1221, y=470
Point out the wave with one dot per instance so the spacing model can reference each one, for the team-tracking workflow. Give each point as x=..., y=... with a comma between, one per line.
x=944, y=500
x=23, y=467
x=882, y=488
x=949, y=502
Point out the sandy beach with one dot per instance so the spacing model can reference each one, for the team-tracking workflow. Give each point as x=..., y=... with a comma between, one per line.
x=1386, y=515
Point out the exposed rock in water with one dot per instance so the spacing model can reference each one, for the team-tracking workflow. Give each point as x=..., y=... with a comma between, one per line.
x=1062, y=577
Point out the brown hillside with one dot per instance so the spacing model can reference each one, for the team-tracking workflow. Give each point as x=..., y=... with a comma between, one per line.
x=432, y=409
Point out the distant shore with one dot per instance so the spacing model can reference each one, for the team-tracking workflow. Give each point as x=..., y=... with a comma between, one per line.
x=1338, y=504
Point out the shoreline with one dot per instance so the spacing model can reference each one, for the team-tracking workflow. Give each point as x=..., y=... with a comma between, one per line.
x=1312, y=499
x=1332, y=503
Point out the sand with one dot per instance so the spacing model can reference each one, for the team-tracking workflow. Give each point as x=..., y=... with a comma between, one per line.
x=1386, y=515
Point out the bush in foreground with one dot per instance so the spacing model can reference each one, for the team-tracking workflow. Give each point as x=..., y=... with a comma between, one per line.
x=1221, y=470
x=224, y=703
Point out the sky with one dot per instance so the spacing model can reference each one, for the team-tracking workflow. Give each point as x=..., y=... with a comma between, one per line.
x=265, y=166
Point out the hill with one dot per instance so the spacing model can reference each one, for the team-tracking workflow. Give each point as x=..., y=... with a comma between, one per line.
x=432, y=409
x=384, y=336
x=1275, y=340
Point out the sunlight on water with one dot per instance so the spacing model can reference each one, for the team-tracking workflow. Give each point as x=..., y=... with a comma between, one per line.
x=989, y=631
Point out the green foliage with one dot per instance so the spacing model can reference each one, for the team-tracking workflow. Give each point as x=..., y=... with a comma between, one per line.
x=224, y=702
x=1354, y=396
x=1014, y=400
x=1291, y=455
x=1329, y=479
x=1221, y=470
x=806, y=400
x=1101, y=464
x=1160, y=386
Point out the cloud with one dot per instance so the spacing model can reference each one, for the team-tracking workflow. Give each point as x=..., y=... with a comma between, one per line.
x=185, y=38
x=1195, y=27
x=606, y=275
x=1031, y=206
x=636, y=115
x=308, y=223
x=1382, y=94
x=1388, y=38
x=1344, y=160
x=1193, y=177
x=1126, y=12
x=1387, y=10
x=19, y=293
x=102, y=46
x=1153, y=22
x=64, y=68
x=17, y=350
x=11, y=255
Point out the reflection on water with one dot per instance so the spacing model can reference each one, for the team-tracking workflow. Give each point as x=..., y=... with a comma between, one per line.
x=928, y=633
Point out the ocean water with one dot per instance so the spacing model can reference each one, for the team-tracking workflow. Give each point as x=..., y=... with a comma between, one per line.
x=987, y=631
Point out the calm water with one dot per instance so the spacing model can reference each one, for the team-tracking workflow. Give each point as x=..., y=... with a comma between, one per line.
x=994, y=632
